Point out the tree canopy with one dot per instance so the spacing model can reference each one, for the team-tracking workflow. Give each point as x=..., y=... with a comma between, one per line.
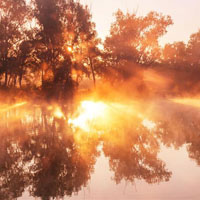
x=52, y=45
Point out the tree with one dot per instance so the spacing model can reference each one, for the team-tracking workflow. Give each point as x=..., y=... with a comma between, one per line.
x=133, y=153
x=42, y=156
x=193, y=49
x=62, y=42
x=82, y=41
x=13, y=18
x=134, y=41
x=175, y=54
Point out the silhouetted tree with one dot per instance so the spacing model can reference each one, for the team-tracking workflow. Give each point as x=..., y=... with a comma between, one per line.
x=62, y=43
x=13, y=18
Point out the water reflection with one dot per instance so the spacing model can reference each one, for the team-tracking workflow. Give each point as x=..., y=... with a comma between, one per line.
x=180, y=126
x=38, y=152
x=133, y=154
x=41, y=153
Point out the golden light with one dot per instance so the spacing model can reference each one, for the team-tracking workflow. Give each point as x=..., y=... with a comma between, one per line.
x=90, y=114
x=187, y=101
x=18, y=104
x=50, y=107
x=150, y=125
x=58, y=113
x=69, y=49
x=99, y=117
x=13, y=106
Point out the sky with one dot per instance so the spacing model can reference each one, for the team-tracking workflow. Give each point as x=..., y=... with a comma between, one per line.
x=185, y=15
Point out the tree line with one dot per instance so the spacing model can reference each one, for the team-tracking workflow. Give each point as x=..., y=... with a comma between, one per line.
x=52, y=45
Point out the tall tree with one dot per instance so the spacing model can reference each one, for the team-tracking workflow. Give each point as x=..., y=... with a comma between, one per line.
x=66, y=30
x=193, y=49
x=13, y=18
x=134, y=41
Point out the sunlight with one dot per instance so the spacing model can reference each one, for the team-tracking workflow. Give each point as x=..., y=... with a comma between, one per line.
x=150, y=125
x=90, y=114
x=188, y=101
x=18, y=105
x=100, y=116
x=69, y=49
x=58, y=113
x=13, y=106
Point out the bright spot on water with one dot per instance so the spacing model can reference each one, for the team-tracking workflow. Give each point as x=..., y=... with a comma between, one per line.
x=90, y=113
x=150, y=125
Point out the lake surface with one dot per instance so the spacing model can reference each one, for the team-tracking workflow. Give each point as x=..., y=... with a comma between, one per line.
x=100, y=150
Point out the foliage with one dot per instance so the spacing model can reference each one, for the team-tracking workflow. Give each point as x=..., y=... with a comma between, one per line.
x=52, y=45
x=134, y=41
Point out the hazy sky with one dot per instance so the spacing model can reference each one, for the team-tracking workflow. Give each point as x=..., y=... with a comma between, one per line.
x=185, y=15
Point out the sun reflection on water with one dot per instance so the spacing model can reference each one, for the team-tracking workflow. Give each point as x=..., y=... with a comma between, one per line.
x=150, y=125
x=58, y=113
x=6, y=108
x=99, y=116
x=90, y=113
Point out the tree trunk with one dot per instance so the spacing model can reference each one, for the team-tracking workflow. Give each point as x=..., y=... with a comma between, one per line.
x=92, y=69
x=6, y=78
x=20, y=80
x=9, y=80
x=15, y=81
x=42, y=78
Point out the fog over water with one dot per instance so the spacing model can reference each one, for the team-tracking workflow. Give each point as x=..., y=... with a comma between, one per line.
x=147, y=153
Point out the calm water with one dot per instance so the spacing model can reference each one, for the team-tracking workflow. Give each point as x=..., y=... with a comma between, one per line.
x=152, y=152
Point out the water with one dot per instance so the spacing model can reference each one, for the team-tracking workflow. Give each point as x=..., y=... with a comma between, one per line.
x=42, y=156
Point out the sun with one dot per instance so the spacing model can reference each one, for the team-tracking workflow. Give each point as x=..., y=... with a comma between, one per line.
x=90, y=113
x=69, y=49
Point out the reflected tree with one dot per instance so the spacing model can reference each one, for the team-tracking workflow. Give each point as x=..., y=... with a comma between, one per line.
x=39, y=153
x=180, y=126
x=42, y=154
x=133, y=154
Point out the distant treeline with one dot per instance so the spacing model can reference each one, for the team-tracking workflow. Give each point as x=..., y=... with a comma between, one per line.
x=51, y=45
